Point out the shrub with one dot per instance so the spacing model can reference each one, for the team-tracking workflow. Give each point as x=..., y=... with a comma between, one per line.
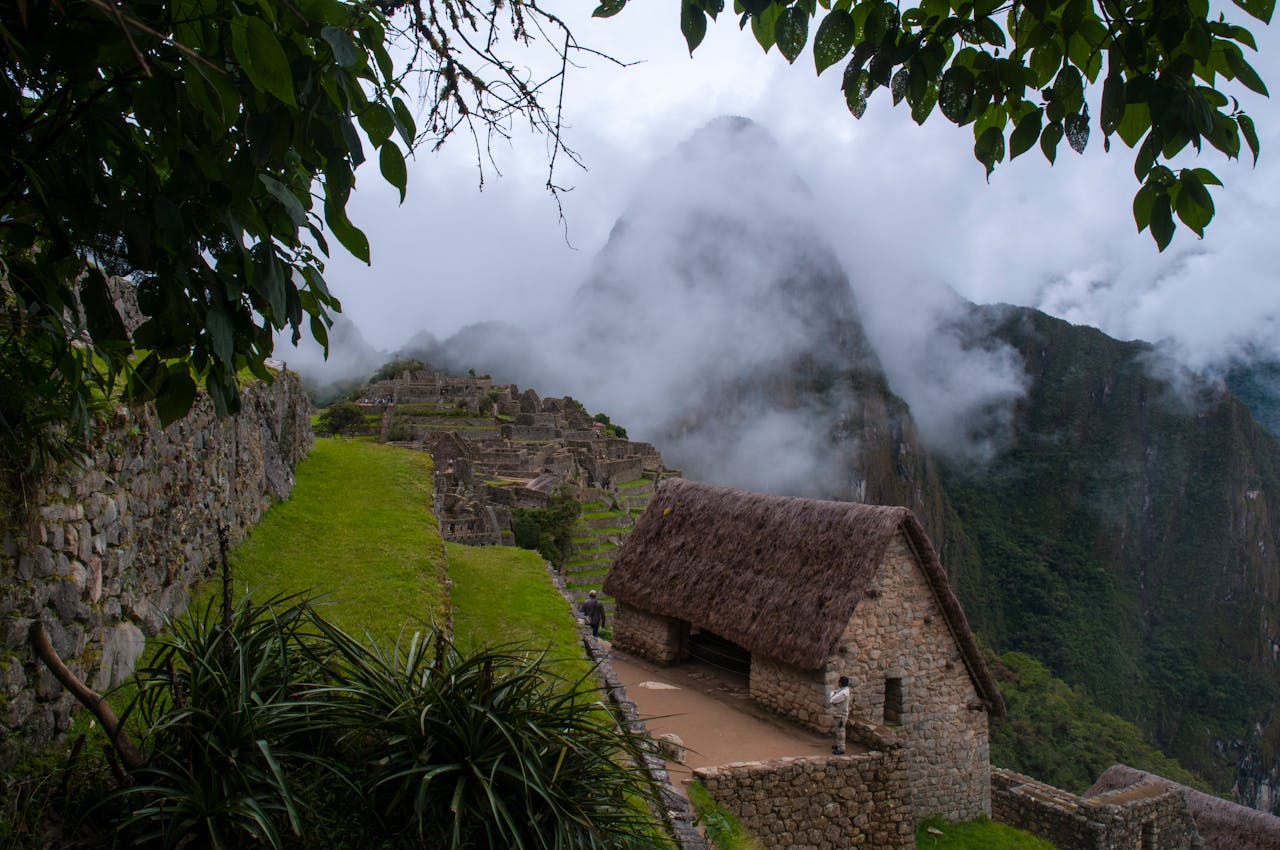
x=489, y=749
x=547, y=530
x=343, y=418
x=272, y=727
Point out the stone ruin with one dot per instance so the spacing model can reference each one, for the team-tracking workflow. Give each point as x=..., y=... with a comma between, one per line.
x=496, y=448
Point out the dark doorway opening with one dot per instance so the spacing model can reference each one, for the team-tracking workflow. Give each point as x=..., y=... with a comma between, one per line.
x=719, y=653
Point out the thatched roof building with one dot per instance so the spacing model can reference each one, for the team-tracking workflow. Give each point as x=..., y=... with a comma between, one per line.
x=780, y=576
x=1222, y=825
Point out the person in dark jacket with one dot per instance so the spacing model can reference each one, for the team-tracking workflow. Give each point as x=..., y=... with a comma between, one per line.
x=593, y=610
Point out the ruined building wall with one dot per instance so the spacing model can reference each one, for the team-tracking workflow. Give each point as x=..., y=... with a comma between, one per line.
x=103, y=553
x=907, y=673
x=819, y=803
x=1151, y=817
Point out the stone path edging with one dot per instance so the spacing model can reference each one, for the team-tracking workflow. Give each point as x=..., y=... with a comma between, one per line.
x=678, y=814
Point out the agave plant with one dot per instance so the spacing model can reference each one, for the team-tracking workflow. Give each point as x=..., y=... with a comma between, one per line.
x=491, y=749
x=223, y=728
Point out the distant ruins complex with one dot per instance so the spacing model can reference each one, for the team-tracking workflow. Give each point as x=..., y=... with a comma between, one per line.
x=496, y=448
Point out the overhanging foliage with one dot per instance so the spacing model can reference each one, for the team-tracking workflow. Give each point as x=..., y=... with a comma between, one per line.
x=1020, y=72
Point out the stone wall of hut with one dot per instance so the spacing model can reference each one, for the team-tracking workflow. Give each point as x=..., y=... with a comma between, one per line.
x=822, y=803
x=103, y=552
x=907, y=673
x=1153, y=816
x=792, y=692
x=653, y=636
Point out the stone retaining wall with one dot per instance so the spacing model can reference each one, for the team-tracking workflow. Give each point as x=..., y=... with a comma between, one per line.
x=819, y=803
x=1150, y=817
x=102, y=554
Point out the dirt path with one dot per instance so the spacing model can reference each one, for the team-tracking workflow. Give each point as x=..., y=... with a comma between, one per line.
x=712, y=713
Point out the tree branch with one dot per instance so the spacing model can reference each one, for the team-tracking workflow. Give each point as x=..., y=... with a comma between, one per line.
x=90, y=699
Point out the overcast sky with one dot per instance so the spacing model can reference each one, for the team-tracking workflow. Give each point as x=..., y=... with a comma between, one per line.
x=907, y=206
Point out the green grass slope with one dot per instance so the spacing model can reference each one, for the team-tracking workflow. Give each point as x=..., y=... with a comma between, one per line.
x=358, y=532
x=503, y=595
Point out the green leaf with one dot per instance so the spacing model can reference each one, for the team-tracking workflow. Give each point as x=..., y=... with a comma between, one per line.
x=392, y=164
x=221, y=334
x=1077, y=130
x=1045, y=62
x=1069, y=87
x=791, y=32
x=765, y=24
x=989, y=148
x=378, y=122
x=1260, y=9
x=1025, y=133
x=1244, y=72
x=404, y=121
x=898, y=86
x=262, y=58
x=343, y=45
x=1147, y=153
x=1135, y=124
x=881, y=22
x=1250, y=134
x=693, y=24
x=176, y=394
x=1207, y=177
x=833, y=40
x=351, y=237
x=1162, y=225
x=1113, y=103
x=923, y=105
x=1142, y=204
x=857, y=87
x=609, y=8
x=955, y=96
x=1195, y=204
x=1049, y=140
x=293, y=207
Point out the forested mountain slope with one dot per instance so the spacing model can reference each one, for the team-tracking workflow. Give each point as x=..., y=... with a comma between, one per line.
x=1127, y=538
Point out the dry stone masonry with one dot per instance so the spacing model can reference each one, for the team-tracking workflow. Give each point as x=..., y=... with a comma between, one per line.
x=822, y=803
x=1151, y=816
x=104, y=552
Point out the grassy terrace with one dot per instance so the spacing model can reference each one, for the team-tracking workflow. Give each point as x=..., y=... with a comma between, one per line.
x=358, y=530
x=502, y=594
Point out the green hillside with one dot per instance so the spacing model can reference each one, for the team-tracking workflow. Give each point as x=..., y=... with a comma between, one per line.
x=1126, y=538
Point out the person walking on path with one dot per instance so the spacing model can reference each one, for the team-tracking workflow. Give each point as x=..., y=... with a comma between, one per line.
x=593, y=610
x=840, y=703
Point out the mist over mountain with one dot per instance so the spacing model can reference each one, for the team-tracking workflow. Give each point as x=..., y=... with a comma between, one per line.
x=1097, y=505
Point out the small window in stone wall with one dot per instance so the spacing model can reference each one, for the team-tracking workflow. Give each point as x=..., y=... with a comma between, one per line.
x=1149, y=836
x=892, y=702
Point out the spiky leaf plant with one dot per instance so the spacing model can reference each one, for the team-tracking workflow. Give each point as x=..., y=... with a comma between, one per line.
x=486, y=750
x=226, y=738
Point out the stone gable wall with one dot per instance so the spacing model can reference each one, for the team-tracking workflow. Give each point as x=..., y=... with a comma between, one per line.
x=898, y=632
x=822, y=803
x=104, y=553
x=1149, y=817
x=647, y=635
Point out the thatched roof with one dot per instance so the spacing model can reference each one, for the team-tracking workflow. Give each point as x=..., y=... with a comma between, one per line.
x=778, y=575
x=1222, y=825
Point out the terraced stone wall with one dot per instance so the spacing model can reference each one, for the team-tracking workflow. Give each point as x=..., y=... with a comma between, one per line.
x=103, y=552
x=822, y=803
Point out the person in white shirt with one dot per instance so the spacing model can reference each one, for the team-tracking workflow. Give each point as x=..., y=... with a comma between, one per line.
x=840, y=703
